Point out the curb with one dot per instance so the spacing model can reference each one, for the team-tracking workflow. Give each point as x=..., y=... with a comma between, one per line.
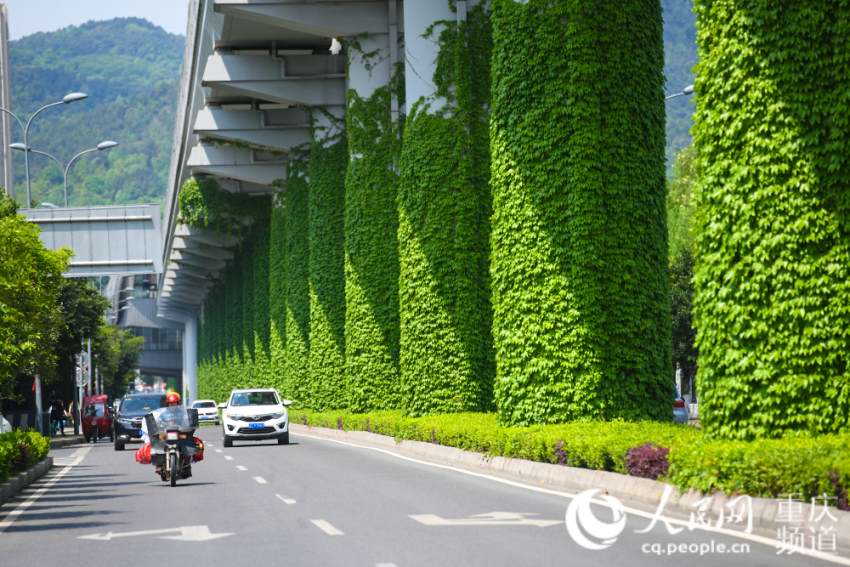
x=639, y=493
x=14, y=485
x=59, y=442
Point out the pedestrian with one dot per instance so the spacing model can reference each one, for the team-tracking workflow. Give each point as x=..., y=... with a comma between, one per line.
x=57, y=415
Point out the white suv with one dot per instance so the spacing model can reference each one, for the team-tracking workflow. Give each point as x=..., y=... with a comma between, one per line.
x=253, y=415
x=207, y=410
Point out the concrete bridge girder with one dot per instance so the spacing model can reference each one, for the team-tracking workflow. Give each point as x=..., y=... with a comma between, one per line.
x=204, y=236
x=183, y=245
x=324, y=20
x=196, y=260
x=236, y=163
x=249, y=127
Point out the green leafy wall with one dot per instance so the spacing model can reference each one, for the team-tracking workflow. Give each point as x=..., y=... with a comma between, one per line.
x=446, y=357
x=579, y=245
x=772, y=276
x=277, y=288
x=327, y=273
x=371, y=253
x=296, y=366
x=260, y=252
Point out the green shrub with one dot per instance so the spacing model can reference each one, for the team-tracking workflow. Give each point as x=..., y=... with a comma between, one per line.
x=581, y=302
x=772, y=275
x=797, y=465
x=20, y=450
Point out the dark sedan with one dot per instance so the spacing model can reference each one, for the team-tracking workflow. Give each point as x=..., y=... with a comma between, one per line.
x=131, y=412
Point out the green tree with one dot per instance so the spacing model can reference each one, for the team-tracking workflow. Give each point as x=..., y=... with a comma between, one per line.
x=116, y=354
x=30, y=285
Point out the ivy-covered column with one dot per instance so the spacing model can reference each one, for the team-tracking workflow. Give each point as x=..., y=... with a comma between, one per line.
x=328, y=160
x=579, y=243
x=297, y=265
x=277, y=292
x=772, y=274
x=371, y=224
x=260, y=257
x=446, y=360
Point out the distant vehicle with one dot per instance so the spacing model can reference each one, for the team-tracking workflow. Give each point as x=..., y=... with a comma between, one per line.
x=131, y=412
x=255, y=414
x=97, y=418
x=680, y=410
x=207, y=410
x=5, y=426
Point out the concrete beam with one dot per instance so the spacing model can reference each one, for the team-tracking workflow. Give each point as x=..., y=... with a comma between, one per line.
x=235, y=163
x=249, y=127
x=264, y=77
x=204, y=236
x=192, y=270
x=326, y=20
x=173, y=274
x=198, y=261
x=198, y=249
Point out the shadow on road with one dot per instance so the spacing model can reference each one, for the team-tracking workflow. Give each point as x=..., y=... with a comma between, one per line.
x=64, y=526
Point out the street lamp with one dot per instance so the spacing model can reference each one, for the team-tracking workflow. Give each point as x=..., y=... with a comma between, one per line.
x=105, y=145
x=687, y=91
x=67, y=99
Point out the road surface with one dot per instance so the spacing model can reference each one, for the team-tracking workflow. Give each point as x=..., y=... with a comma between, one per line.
x=316, y=503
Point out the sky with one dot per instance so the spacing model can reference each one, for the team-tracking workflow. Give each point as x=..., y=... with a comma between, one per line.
x=30, y=16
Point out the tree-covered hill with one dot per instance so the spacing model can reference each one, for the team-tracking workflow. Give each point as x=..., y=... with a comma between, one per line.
x=130, y=70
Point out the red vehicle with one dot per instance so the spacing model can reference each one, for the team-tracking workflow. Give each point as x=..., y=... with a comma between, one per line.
x=97, y=418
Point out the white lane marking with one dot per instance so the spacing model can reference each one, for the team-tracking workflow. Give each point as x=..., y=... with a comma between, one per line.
x=228, y=458
x=772, y=543
x=219, y=451
x=488, y=519
x=260, y=480
x=285, y=500
x=385, y=565
x=79, y=455
x=187, y=533
x=241, y=468
x=326, y=527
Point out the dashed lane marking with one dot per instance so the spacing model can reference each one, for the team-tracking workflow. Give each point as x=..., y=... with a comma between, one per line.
x=285, y=500
x=326, y=527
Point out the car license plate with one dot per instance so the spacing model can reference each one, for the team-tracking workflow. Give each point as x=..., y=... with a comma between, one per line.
x=255, y=425
x=171, y=436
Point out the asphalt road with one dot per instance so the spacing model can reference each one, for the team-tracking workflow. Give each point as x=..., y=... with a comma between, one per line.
x=312, y=503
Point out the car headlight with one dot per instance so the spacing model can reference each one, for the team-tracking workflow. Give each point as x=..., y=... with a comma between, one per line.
x=235, y=417
x=278, y=415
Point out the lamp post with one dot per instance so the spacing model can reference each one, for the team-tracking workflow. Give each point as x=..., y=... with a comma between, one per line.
x=105, y=145
x=67, y=99
x=687, y=91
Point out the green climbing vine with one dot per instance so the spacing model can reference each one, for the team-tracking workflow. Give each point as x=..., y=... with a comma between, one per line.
x=328, y=160
x=444, y=208
x=772, y=274
x=579, y=257
x=371, y=251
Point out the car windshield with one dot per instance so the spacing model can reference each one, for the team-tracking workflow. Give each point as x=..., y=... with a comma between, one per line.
x=254, y=399
x=142, y=404
x=203, y=405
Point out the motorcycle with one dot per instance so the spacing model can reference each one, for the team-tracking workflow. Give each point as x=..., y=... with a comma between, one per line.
x=174, y=446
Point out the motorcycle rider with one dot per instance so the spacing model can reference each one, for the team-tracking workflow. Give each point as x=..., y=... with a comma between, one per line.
x=172, y=399
x=143, y=455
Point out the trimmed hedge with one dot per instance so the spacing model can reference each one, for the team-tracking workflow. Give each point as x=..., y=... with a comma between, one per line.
x=446, y=358
x=327, y=273
x=579, y=242
x=19, y=450
x=803, y=466
x=371, y=253
x=772, y=276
